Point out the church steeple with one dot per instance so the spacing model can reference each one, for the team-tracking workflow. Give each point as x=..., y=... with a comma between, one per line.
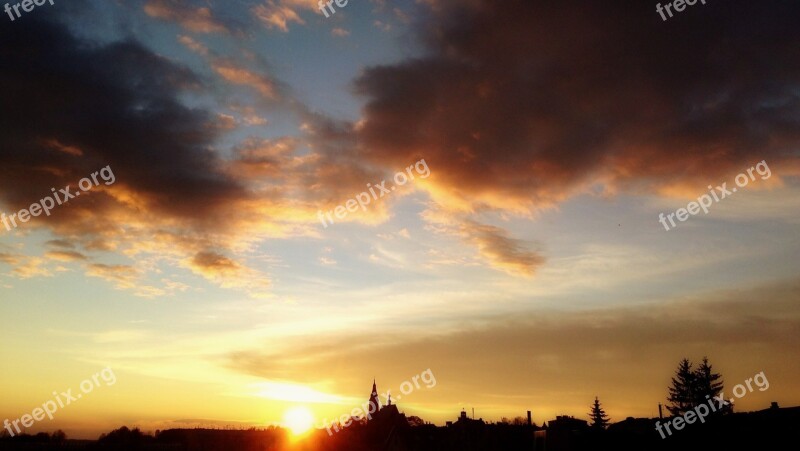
x=373, y=397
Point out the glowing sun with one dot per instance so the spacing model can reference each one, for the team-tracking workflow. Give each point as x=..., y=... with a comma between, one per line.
x=298, y=419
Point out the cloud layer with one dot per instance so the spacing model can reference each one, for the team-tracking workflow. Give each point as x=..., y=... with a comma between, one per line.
x=516, y=107
x=522, y=104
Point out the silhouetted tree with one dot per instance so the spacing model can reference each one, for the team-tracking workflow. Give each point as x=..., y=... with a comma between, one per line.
x=124, y=439
x=681, y=393
x=598, y=416
x=520, y=421
x=708, y=384
x=58, y=437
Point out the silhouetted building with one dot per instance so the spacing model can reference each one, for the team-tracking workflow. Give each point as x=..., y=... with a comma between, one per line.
x=387, y=429
x=387, y=413
x=562, y=434
x=464, y=420
x=373, y=397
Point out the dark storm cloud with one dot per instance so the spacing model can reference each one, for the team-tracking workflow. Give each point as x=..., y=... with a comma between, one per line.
x=527, y=102
x=73, y=107
x=76, y=106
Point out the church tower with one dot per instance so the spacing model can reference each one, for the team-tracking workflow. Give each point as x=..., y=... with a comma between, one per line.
x=373, y=397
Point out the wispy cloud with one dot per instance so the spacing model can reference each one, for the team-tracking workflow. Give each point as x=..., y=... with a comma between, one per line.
x=236, y=74
x=280, y=13
x=198, y=20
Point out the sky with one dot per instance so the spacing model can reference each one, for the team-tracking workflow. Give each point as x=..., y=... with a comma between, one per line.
x=535, y=253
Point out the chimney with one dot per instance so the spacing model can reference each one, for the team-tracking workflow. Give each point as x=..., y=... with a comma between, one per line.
x=660, y=412
x=529, y=418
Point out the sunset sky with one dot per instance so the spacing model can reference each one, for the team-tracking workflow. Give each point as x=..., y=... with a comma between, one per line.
x=527, y=271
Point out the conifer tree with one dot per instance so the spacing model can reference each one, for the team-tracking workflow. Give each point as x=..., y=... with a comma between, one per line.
x=598, y=416
x=681, y=393
x=708, y=384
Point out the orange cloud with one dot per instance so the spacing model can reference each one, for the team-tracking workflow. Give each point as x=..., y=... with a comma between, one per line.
x=9, y=259
x=123, y=276
x=228, y=273
x=193, y=45
x=241, y=76
x=493, y=243
x=66, y=256
x=279, y=13
x=506, y=130
x=69, y=150
x=29, y=267
x=501, y=251
x=198, y=20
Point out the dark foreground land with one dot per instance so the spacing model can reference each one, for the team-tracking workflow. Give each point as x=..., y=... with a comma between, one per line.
x=772, y=429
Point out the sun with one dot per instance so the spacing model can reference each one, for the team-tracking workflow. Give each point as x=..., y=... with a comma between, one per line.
x=298, y=419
